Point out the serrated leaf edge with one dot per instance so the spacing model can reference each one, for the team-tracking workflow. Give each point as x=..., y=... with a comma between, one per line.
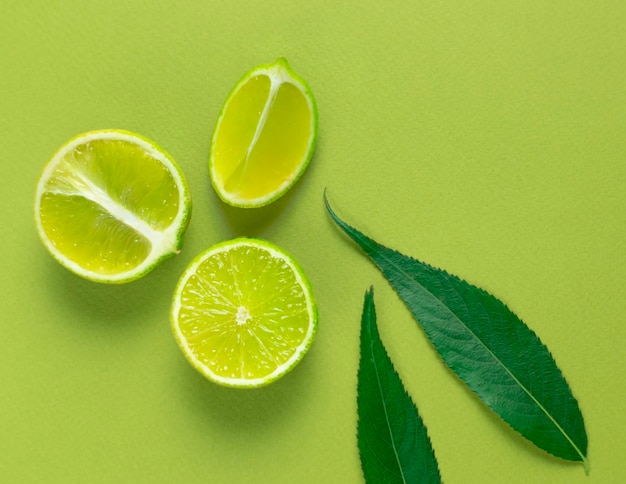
x=347, y=228
x=373, y=330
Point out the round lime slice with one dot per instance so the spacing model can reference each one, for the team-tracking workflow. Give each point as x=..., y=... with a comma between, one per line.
x=243, y=313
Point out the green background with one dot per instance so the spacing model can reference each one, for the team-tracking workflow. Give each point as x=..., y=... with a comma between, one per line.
x=486, y=137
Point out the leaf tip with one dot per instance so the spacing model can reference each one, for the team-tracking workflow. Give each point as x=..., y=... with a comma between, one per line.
x=586, y=466
x=369, y=309
x=326, y=202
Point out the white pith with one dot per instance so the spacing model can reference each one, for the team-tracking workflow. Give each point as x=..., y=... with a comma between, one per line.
x=242, y=316
x=162, y=243
x=275, y=82
x=281, y=369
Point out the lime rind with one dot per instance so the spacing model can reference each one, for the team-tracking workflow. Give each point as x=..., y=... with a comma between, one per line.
x=168, y=244
x=282, y=369
x=278, y=72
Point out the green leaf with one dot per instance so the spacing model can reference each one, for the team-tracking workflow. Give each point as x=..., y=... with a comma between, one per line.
x=488, y=347
x=393, y=442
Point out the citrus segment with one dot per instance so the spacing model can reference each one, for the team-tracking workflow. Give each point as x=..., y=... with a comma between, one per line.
x=243, y=313
x=110, y=205
x=264, y=137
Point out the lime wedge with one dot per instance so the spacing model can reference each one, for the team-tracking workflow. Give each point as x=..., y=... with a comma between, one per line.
x=111, y=205
x=243, y=313
x=264, y=137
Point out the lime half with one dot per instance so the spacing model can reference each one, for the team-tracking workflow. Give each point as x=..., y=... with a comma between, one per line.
x=264, y=137
x=243, y=313
x=110, y=205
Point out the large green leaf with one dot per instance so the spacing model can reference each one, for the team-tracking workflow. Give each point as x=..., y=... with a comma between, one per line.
x=488, y=347
x=393, y=442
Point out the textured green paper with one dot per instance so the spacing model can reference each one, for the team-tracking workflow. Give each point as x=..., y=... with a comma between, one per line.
x=487, y=137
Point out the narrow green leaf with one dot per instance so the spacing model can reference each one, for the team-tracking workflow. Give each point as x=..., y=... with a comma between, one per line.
x=488, y=347
x=393, y=442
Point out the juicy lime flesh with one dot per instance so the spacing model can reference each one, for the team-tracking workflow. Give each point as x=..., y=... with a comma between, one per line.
x=89, y=180
x=243, y=313
x=96, y=240
x=238, y=125
x=257, y=155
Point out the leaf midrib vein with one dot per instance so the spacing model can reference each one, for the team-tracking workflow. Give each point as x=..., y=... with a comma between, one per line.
x=380, y=390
